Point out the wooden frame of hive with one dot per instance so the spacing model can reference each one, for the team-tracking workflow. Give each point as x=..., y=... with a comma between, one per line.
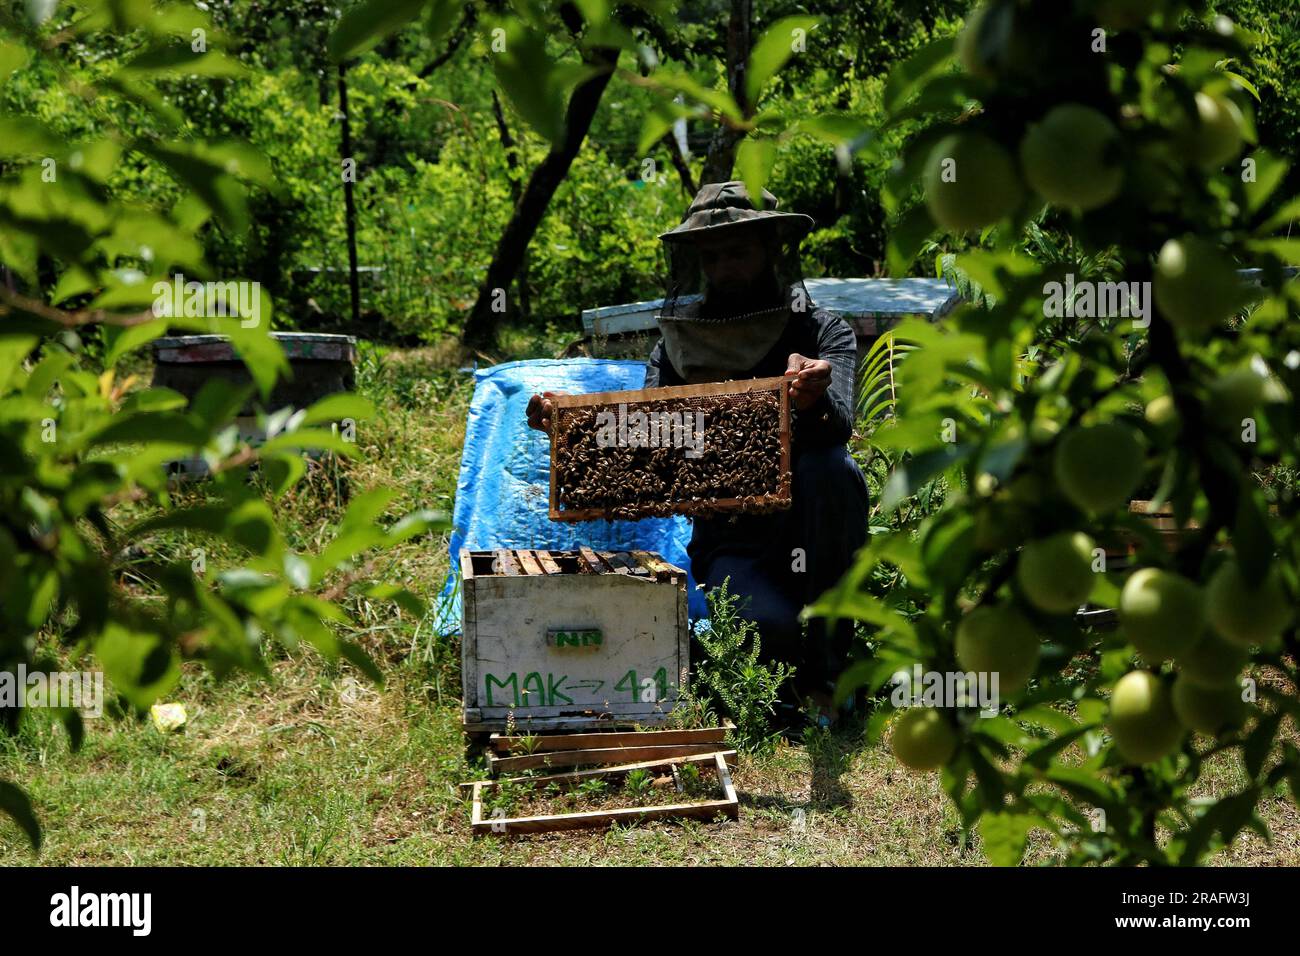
x=683, y=393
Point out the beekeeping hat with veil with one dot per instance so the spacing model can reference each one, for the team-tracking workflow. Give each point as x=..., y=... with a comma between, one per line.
x=709, y=336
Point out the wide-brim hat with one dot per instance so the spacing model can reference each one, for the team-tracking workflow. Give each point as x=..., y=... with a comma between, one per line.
x=723, y=207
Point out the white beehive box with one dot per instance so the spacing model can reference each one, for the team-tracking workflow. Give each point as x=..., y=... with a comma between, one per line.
x=568, y=640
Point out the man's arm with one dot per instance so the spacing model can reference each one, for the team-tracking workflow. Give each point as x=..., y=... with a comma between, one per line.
x=830, y=420
x=658, y=370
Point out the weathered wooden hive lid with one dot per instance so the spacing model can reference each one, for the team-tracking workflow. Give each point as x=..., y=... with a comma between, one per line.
x=298, y=346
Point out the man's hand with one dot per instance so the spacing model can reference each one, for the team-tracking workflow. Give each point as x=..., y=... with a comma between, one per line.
x=811, y=379
x=539, y=411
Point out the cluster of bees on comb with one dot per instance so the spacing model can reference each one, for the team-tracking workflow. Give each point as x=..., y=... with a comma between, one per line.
x=730, y=453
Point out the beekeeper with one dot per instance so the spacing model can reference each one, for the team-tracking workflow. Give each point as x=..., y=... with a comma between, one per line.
x=736, y=307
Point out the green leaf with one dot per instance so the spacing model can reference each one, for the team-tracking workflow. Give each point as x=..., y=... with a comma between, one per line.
x=754, y=161
x=1227, y=817
x=1260, y=743
x=948, y=547
x=659, y=119
x=219, y=401
x=1080, y=782
x=1043, y=755
x=1287, y=250
x=773, y=49
x=222, y=192
x=719, y=101
x=400, y=596
x=210, y=518
x=860, y=606
x=12, y=57
x=154, y=400
x=141, y=665
x=1004, y=836
x=417, y=523
x=152, y=427
x=908, y=75
x=119, y=340
x=439, y=17
x=15, y=803
x=1252, y=537
x=906, y=237
x=262, y=355
x=908, y=477
x=180, y=59
x=995, y=272
x=24, y=136
x=1245, y=84
x=13, y=350
x=836, y=128
x=46, y=373
x=360, y=660
x=364, y=24
x=1269, y=173
x=308, y=439
x=1284, y=217
x=283, y=472
x=337, y=407
x=537, y=87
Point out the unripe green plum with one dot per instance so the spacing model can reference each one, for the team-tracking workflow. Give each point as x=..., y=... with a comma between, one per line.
x=1142, y=718
x=1235, y=394
x=1055, y=573
x=923, y=739
x=1196, y=286
x=1099, y=467
x=998, y=640
x=1208, y=709
x=994, y=40
x=968, y=51
x=1071, y=157
x=1211, y=660
x=1161, y=612
x=1215, y=136
x=983, y=188
x=1247, y=613
x=1162, y=412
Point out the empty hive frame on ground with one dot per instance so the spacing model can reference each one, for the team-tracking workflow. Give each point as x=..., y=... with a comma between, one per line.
x=687, y=449
x=540, y=751
x=718, y=760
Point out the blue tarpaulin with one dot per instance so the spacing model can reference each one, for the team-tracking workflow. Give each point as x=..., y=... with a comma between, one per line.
x=503, y=492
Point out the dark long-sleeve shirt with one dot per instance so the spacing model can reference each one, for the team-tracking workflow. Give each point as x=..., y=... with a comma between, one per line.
x=817, y=335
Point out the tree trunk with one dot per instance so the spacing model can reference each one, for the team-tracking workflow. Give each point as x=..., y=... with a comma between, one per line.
x=679, y=163
x=481, y=326
x=721, y=157
x=349, y=203
x=512, y=163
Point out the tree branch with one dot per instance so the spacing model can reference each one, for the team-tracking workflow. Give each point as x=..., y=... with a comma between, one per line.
x=22, y=303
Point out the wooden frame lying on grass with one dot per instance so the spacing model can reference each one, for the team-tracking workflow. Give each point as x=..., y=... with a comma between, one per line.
x=505, y=744
x=728, y=806
x=601, y=755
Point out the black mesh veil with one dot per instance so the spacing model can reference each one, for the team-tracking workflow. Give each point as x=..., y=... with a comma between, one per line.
x=686, y=295
x=711, y=335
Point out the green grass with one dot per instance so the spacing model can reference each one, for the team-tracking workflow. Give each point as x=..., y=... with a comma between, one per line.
x=316, y=766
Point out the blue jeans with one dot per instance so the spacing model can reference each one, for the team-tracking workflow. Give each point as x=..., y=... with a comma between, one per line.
x=782, y=561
